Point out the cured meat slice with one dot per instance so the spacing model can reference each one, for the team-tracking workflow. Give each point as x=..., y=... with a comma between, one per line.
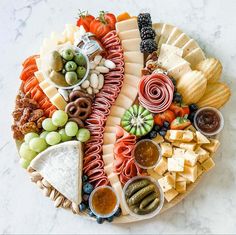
x=156, y=92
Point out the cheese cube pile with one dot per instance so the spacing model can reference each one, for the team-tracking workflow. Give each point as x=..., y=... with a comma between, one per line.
x=186, y=155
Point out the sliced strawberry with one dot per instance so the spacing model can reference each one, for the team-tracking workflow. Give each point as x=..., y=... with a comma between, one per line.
x=180, y=123
x=159, y=119
x=169, y=116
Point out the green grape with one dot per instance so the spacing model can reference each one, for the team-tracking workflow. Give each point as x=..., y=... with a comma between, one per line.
x=53, y=138
x=59, y=118
x=71, y=128
x=83, y=135
x=30, y=136
x=44, y=134
x=48, y=125
x=26, y=153
x=38, y=144
x=24, y=163
x=64, y=136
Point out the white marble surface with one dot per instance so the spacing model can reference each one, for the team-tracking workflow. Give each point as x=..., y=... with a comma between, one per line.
x=23, y=25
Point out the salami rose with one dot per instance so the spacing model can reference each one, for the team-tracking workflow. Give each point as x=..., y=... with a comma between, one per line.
x=156, y=92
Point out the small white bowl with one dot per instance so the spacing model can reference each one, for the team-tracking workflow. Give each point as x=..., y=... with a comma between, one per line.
x=221, y=121
x=91, y=204
x=158, y=148
x=161, y=197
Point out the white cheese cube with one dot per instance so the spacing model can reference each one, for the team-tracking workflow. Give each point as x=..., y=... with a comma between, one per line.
x=187, y=136
x=166, y=183
x=190, y=157
x=190, y=173
x=181, y=186
x=154, y=174
x=201, y=139
x=178, y=152
x=179, y=178
x=203, y=155
x=166, y=149
x=176, y=164
x=161, y=167
x=208, y=164
x=176, y=134
x=170, y=195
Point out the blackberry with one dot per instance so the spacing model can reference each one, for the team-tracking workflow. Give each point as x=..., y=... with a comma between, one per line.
x=148, y=46
x=144, y=20
x=147, y=33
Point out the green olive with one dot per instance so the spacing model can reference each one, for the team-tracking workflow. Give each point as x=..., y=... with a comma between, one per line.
x=70, y=66
x=81, y=71
x=80, y=59
x=55, y=61
x=68, y=54
x=71, y=78
x=58, y=78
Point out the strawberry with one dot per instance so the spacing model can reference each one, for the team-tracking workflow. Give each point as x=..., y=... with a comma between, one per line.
x=180, y=123
x=159, y=119
x=169, y=115
x=180, y=111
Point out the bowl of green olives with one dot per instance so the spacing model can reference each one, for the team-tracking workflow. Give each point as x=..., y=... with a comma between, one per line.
x=68, y=67
x=143, y=197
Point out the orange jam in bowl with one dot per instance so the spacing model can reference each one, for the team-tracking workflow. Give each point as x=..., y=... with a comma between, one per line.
x=103, y=201
x=146, y=154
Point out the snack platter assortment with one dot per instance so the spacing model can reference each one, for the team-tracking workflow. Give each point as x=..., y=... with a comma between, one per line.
x=117, y=117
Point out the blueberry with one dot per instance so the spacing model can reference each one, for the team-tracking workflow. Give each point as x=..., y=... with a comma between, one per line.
x=191, y=116
x=153, y=134
x=91, y=214
x=85, y=197
x=177, y=97
x=118, y=212
x=100, y=220
x=84, y=178
x=166, y=124
x=163, y=129
x=110, y=219
x=173, y=81
x=193, y=107
x=82, y=207
x=156, y=128
x=162, y=133
x=88, y=188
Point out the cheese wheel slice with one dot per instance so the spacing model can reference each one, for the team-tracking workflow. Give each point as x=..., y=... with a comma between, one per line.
x=126, y=25
x=181, y=40
x=129, y=34
x=58, y=101
x=44, y=84
x=131, y=80
x=195, y=57
x=117, y=111
x=178, y=71
x=133, y=57
x=109, y=138
x=113, y=121
x=175, y=33
x=134, y=69
x=50, y=91
x=110, y=129
x=123, y=101
x=131, y=44
x=189, y=46
x=39, y=75
x=107, y=149
x=157, y=27
x=129, y=91
x=108, y=158
x=109, y=169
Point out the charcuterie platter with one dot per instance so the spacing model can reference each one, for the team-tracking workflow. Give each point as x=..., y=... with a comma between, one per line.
x=117, y=117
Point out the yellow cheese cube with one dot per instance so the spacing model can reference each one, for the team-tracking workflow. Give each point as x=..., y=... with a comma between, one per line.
x=181, y=186
x=176, y=134
x=200, y=169
x=58, y=101
x=191, y=128
x=158, y=139
x=154, y=174
x=166, y=149
x=179, y=178
x=161, y=167
x=201, y=139
x=170, y=195
x=190, y=173
x=190, y=157
x=172, y=175
x=203, y=155
x=166, y=183
x=208, y=164
x=212, y=146
x=167, y=137
x=176, y=164
x=187, y=136
x=178, y=152
x=188, y=146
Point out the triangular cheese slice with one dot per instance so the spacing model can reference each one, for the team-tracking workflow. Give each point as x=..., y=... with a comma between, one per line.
x=201, y=139
x=174, y=35
x=189, y=46
x=181, y=40
x=195, y=57
x=179, y=70
x=61, y=166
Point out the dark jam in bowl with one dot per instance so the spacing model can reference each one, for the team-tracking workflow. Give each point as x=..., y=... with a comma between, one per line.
x=146, y=153
x=208, y=120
